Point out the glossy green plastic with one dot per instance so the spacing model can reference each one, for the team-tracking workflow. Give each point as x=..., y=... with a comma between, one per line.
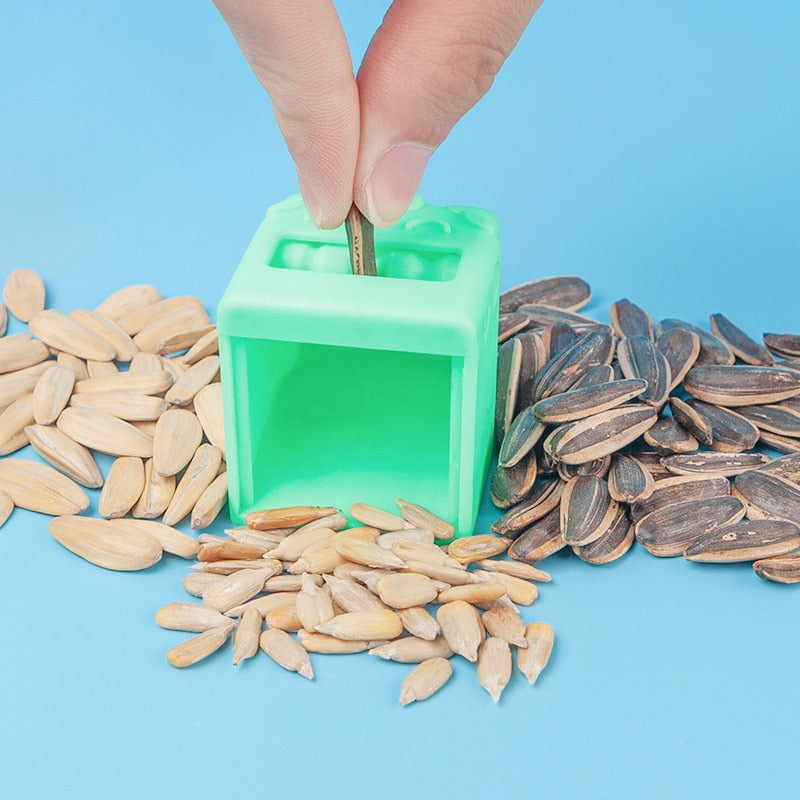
x=340, y=388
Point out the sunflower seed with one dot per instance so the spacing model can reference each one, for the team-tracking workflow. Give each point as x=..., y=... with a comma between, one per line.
x=172, y=541
x=367, y=553
x=219, y=550
x=14, y=385
x=246, y=636
x=351, y=596
x=516, y=568
x=284, y=618
x=628, y=479
x=24, y=293
x=412, y=649
x=518, y=590
x=61, y=332
x=787, y=467
x=505, y=622
x=419, y=622
x=424, y=680
x=125, y=300
x=204, y=372
x=264, y=603
x=480, y=592
x=286, y=651
x=509, y=324
x=421, y=517
x=786, y=345
x=509, y=361
x=206, y=345
x=712, y=349
x=6, y=507
x=196, y=479
x=473, y=548
x=600, y=434
x=613, y=542
x=39, y=487
x=20, y=350
x=210, y=502
x=559, y=337
x=104, y=433
x=158, y=319
x=628, y=319
x=322, y=643
x=314, y=605
x=545, y=496
x=539, y=540
x=237, y=588
x=100, y=542
x=531, y=660
x=416, y=535
x=781, y=569
x=727, y=464
x=535, y=349
x=748, y=540
x=692, y=420
x=639, y=358
x=561, y=291
x=195, y=583
x=667, y=436
x=66, y=455
x=522, y=434
x=156, y=494
x=153, y=382
x=14, y=420
x=679, y=489
x=767, y=496
x=742, y=346
x=586, y=509
x=510, y=485
x=669, y=530
x=199, y=647
x=177, y=437
x=97, y=369
x=773, y=418
x=783, y=444
x=377, y=518
x=189, y=617
x=730, y=431
x=77, y=365
x=541, y=315
x=363, y=625
x=741, y=384
x=409, y=550
x=494, y=666
x=107, y=330
x=584, y=401
x=123, y=405
x=680, y=347
x=291, y=516
x=461, y=628
x=570, y=365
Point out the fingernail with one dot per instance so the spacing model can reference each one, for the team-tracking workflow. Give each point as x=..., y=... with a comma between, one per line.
x=310, y=200
x=394, y=181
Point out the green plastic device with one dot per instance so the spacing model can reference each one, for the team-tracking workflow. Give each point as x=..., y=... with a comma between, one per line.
x=339, y=388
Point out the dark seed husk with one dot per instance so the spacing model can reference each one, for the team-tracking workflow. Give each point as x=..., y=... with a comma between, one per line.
x=695, y=423
x=544, y=497
x=562, y=291
x=596, y=376
x=652, y=462
x=628, y=319
x=712, y=349
x=509, y=324
x=598, y=467
x=540, y=540
x=629, y=480
x=730, y=432
x=747, y=540
x=587, y=400
x=705, y=463
x=767, y=496
x=510, y=485
x=522, y=434
x=599, y=435
x=781, y=569
x=615, y=541
x=786, y=345
x=561, y=336
x=679, y=489
x=669, y=530
x=743, y=347
x=680, y=347
x=783, y=444
x=787, y=467
x=541, y=315
x=535, y=354
x=773, y=418
x=639, y=358
x=587, y=509
x=570, y=365
x=667, y=436
x=509, y=359
x=741, y=384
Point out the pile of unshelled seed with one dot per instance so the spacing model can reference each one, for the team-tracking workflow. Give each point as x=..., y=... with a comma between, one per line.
x=657, y=433
x=322, y=586
x=62, y=390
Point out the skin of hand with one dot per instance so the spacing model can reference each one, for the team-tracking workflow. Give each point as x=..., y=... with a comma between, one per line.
x=368, y=138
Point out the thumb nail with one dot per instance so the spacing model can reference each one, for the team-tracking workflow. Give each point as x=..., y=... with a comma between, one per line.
x=393, y=182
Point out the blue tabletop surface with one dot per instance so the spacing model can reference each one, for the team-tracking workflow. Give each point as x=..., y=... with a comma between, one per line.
x=651, y=148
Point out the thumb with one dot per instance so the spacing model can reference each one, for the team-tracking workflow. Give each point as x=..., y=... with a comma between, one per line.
x=427, y=65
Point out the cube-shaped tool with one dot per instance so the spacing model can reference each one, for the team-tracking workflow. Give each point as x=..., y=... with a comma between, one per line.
x=341, y=388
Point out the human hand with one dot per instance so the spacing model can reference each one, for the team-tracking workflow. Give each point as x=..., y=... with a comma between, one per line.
x=368, y=139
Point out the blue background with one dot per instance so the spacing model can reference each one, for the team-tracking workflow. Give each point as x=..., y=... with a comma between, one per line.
x=651, y=148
